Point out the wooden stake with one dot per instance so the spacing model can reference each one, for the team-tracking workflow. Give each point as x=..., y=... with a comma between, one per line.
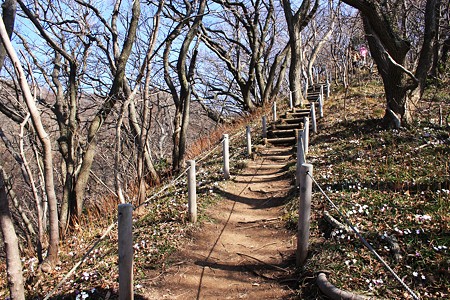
x=226, y=156
x=328, y=89
x=306, y=135
x=274, y=110
x=125, y=239
x=300, y=156
x=304, y=213
x=264, y=127
x=192, y=192
x=313, y=118
x=321, y=102
x=306, y=89
x=249, y=141
x=291, y=106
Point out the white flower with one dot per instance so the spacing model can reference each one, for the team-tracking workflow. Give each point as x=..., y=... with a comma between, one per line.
x=378, y=281
x=85, y=276
x=415, y=274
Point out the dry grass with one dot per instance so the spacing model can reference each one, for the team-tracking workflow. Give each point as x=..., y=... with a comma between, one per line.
x=388, y=183
x=158, y=228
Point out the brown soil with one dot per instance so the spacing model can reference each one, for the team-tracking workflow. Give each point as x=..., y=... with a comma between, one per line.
x=244, y=251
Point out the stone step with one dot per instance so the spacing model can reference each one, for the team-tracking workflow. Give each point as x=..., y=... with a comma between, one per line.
x=266, y=166
x=296, y=114
x=273, y=151
x=292, y=121
x=313, y=97
x=300, y=110
x=316, y=86
x=270, y=176
x=281, y=141
x=278, y=133
x=285, y=126
x=279, y=157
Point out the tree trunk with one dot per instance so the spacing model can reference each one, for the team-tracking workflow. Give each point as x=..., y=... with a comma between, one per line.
x=176, y=161
x=52, y=253
x=9, y=16
x=103, y=113
x=295, y=69
x=389, y=50
x=317, y=49
x=13, y=262
x=154, y=176
x=296, y=22
x=403, y=88
x=185, y=75
x=275, y=86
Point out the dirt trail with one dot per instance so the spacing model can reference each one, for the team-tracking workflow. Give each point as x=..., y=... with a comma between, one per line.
x=244, y=250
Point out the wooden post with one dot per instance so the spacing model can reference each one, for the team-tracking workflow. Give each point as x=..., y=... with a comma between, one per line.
x=320, y=108
x=257, y=93
x=226, y=156
x=441, y=119
x=264, y=127
x=321, y=92
x=313, y=118
x=274, y=110
x=328, y=88
x=304, y=213
x=321, y=101
x=125, y=240
x=306, y=135
x=306, y=89
x=249, y=141
x=300, y=156
x=192, y=192
x=291, y=106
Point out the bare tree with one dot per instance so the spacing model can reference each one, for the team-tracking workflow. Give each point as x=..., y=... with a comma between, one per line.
x=116, y=88
x=9, y=8
x=52, y=253
x=140, y=128
x=78, y=156
x=13, y=262
x=388, y=32
x=296, y=21
x=247, y=43
x=185, y=73
x=322, y=28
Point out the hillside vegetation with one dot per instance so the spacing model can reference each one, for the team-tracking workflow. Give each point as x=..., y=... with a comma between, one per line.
x=393, y=185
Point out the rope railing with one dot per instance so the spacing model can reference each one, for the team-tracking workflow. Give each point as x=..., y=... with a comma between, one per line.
x=210, y=151
x=363, y=240
x=114, y=223
x=301, y=162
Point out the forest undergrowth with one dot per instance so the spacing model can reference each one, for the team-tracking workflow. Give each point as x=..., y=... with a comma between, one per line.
x=393, y=185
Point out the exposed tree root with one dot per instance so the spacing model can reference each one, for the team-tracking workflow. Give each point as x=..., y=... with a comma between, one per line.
x=335, y=293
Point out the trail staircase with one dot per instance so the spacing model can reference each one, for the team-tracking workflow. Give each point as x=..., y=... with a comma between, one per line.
x=284, y=130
